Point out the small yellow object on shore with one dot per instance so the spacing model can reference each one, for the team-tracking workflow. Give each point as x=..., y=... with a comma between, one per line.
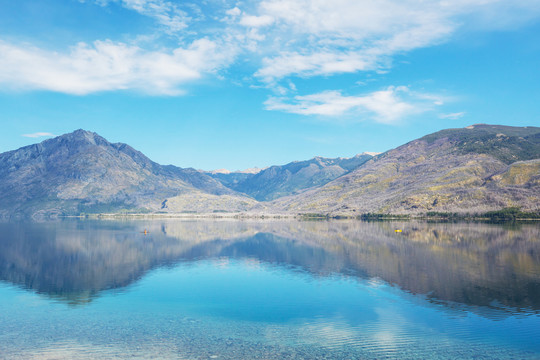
x=398, y=230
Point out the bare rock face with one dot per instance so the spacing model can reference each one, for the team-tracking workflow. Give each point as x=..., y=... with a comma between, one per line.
x=83, y=172
x=476, y=169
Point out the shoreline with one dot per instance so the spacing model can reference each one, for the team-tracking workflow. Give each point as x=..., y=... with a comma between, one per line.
x=492, y=216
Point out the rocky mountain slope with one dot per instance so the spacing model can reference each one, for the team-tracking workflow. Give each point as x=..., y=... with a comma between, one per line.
x=277, y=181
x=83, y=172
x=230, y=179
x=475, y=169
x=472, y=170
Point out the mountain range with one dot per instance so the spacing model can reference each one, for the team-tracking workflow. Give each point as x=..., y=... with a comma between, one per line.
x=277, y=181
x=471, y=170
x=81, y=172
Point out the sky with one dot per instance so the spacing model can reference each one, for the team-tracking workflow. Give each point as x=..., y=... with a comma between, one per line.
x=238, y=84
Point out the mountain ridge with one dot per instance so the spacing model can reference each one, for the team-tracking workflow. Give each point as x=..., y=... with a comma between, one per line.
x=294, y=177
x=444, y=171
x=83, y=172
x=474, y=169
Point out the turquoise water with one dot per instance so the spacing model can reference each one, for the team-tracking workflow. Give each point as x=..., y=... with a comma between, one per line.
x=269, y=290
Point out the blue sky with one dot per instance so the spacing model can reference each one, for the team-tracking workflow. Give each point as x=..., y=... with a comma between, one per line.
x=238, y=84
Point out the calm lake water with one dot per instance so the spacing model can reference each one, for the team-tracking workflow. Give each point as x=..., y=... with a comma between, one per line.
x=269, y=290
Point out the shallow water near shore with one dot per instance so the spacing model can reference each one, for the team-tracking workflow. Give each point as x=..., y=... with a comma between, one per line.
x=203, y=289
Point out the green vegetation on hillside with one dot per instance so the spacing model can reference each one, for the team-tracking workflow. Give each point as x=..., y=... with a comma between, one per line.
x=508, y=144
x=511, y=213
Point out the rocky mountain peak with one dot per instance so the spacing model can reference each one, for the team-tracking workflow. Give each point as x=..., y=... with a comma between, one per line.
x=82, y=171
x=83, y=136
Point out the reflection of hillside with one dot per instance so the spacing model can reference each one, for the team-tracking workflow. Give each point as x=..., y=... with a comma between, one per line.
x=475, y=264
x=77, y=260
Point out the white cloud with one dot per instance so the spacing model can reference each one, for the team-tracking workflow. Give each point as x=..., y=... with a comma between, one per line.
x=106, y=66
x=318, y=63
x=256, y=21
x=235, y=11
x=166, y=13
x=347, y=36
x=279, y=39
x=38, y=134
x=452, y=116
x=385, y=106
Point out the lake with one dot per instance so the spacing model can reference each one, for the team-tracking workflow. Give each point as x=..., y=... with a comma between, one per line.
x=227, y=289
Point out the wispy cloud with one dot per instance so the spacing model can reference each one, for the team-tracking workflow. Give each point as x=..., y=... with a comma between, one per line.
x=38, y=135
x=385, y=106
x=452, y=116
x=318, y=63
x=166, y=13
x=256, y=21
x=331, y=37
x=347, y=36
x=106, y=65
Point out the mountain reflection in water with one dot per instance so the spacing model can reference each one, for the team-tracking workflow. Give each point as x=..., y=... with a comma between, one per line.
x=488, y=267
